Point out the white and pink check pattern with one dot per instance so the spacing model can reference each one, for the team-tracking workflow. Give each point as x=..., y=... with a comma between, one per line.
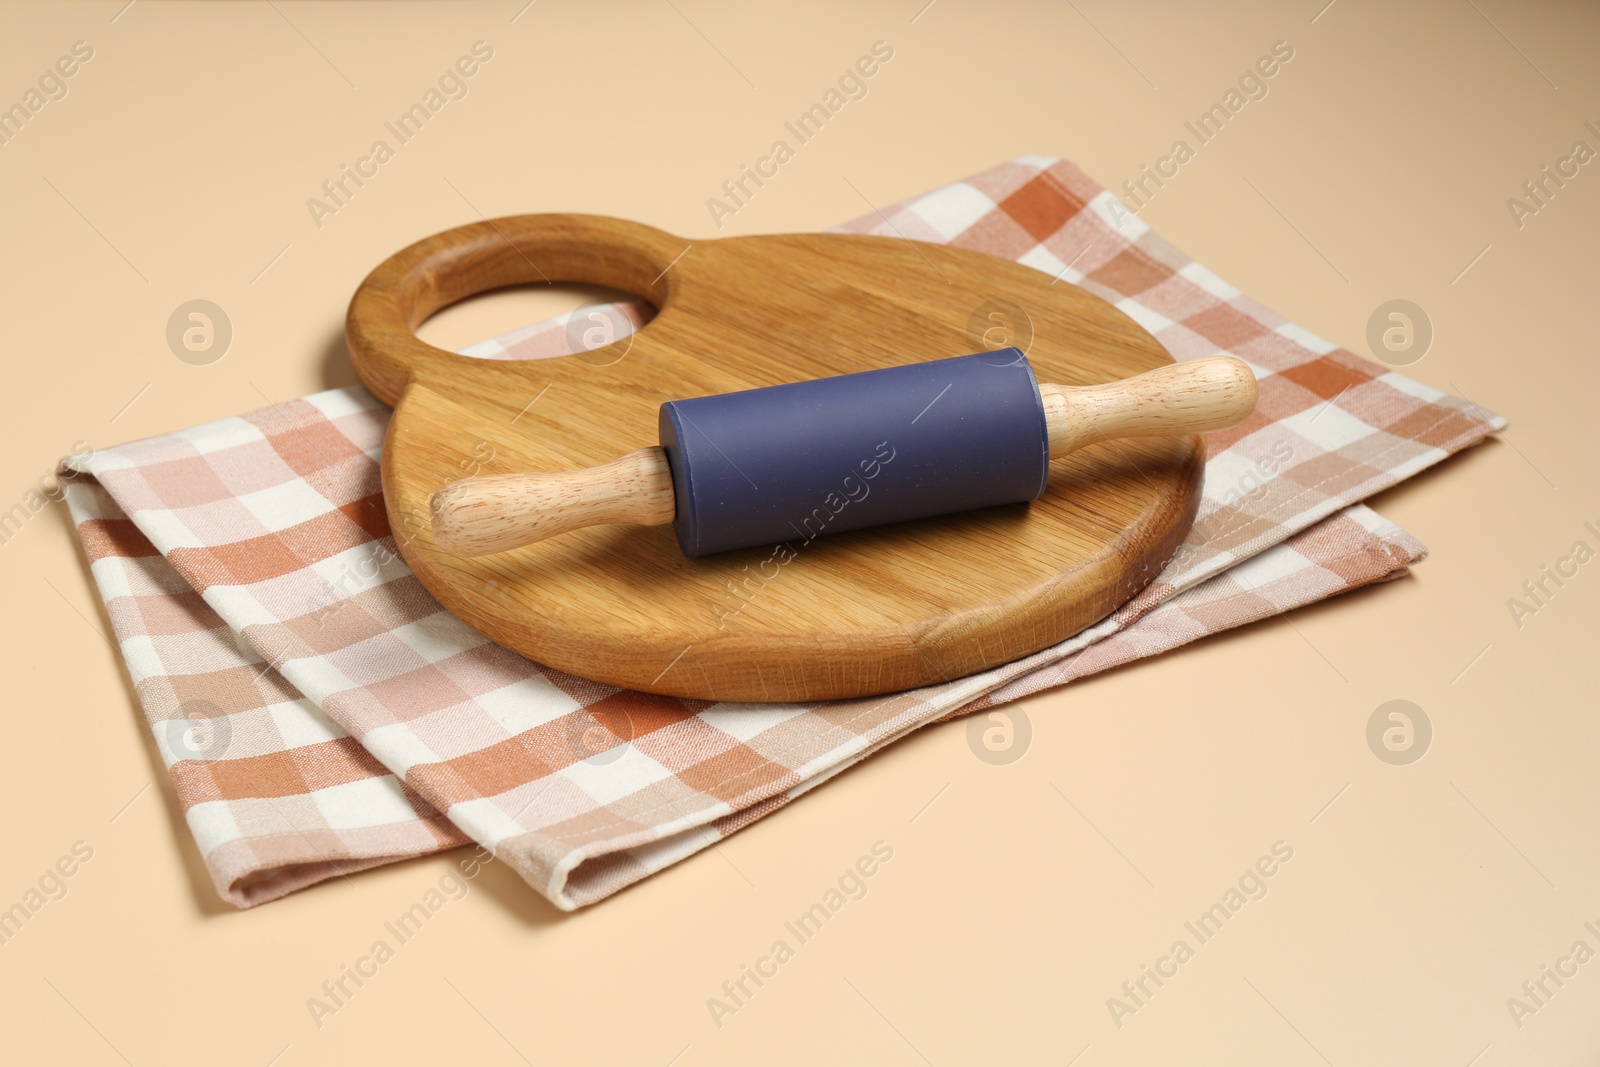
x=320, y=713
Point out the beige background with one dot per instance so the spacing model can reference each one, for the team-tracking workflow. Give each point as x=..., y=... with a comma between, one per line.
x=178, y=167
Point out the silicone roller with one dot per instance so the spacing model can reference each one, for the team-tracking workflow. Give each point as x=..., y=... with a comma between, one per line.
x=793, y=462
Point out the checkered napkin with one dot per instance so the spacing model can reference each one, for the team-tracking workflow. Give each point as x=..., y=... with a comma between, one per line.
x=320, y=713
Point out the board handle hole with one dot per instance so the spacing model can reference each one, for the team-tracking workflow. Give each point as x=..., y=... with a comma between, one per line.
x=536, y=321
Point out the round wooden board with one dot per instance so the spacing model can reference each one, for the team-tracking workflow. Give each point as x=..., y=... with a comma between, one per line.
x=849, y=615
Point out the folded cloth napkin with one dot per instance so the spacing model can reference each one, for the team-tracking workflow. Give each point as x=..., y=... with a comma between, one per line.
x=320, y=713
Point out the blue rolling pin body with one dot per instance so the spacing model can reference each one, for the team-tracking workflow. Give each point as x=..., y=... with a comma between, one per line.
x=788, y=463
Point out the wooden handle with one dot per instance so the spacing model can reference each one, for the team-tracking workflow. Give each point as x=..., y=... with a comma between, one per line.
x=418, y=280
x=498, y=512
x=1193, y=397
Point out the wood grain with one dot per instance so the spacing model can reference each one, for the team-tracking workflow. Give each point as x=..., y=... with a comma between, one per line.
x=1194, y=397
x=865, y=612
x=498, y=512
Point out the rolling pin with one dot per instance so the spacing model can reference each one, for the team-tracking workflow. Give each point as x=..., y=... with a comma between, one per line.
x=792, y=462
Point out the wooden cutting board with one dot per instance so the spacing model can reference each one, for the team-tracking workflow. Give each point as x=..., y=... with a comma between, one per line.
x=848, y=615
